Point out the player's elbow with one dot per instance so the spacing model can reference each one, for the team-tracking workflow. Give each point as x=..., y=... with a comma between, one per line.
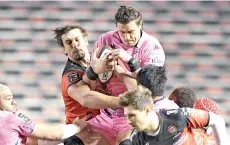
x=84, y=102
x=80, y=98
x=87, y=99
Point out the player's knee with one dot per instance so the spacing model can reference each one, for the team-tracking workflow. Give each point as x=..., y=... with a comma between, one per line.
x=126, y=142
x=73, y=140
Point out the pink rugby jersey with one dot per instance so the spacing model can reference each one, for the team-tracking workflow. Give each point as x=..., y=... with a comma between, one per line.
x=147, y=51
x=14, y=128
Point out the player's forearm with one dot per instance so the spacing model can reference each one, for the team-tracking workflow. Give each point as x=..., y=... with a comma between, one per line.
x=93, y=99
x=55, y=132
x=218, y=124
x=130, y=83
x=86, y=79
x=134, y=67
x=134, y=74
x=46, y=142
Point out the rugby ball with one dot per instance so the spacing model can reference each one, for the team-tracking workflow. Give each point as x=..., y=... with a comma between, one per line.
x=207, y=104
x=102, y=51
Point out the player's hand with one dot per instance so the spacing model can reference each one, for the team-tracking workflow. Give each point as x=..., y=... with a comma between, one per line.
x=121, y=54
x=103, y=64
x=82, y=123
x=119, y=70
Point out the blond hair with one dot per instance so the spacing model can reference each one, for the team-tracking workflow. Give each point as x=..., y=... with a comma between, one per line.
x=3, y=88
x=138, y=99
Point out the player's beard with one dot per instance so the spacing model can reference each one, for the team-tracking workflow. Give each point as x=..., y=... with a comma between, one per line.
x=79, y=56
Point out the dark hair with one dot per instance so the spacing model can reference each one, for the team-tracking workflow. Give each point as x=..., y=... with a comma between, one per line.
x=125, y=15
x=185, y=97
x=154, y=78
x=138, y=99
x=58, y=32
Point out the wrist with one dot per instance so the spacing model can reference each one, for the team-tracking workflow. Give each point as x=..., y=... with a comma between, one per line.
x=116, y=102
x=96, y=71
x=128, y=58
x=91, y=74
x=70, y=130
x=133, y=64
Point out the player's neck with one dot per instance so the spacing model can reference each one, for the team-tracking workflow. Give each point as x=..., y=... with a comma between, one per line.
x=84, y=62
x=1, y=107
x=155, y=123
x=157, y=98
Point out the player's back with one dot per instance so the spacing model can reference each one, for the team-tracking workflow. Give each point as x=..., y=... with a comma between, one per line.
x=173, y=130
x=164, y=103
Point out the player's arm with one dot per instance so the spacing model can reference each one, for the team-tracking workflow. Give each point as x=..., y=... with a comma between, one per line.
x=122, y=55
x=79, y=91
x=199, y=119
x=59, y=132
x=130, y=82
x=91, y=99
x=54, y=132
x=218, y=124
x=105, y=63
x=98, y=65
x=154, y=54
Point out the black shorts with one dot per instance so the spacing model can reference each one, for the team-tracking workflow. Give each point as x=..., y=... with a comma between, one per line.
x=73, y=140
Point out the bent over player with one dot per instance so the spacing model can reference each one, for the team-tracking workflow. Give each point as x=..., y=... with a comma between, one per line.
x=169, y=127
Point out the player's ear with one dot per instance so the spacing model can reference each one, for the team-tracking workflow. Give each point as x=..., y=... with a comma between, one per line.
x=147, y=109
x=141, y=25
x=64, y=51
x=86, y=41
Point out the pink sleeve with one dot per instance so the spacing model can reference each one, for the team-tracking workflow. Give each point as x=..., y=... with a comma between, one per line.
x=154, y=54
x=25, y=126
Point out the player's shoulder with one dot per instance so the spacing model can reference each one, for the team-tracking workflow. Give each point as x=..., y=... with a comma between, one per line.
x=9, y=116
x=6, y=114
x=150, y=42
x=137, y=138
x=22, y=117
x=176, y=114
x=150, y=37
x=72, y=67
x=109, y=34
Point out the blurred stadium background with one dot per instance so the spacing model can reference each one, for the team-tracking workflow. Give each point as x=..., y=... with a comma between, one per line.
x=195, y=36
